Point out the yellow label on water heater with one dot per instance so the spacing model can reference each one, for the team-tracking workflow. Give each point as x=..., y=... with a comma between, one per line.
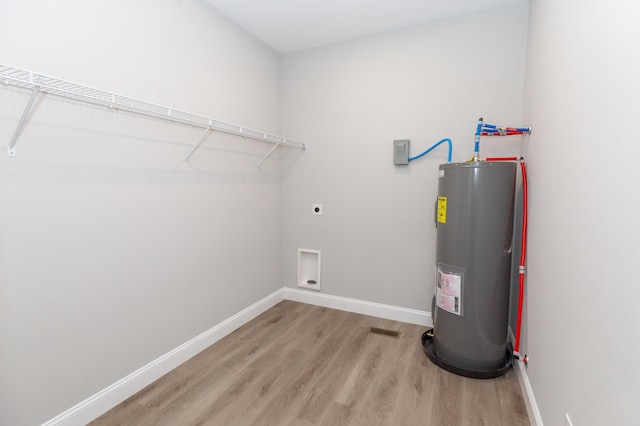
x=442, y=209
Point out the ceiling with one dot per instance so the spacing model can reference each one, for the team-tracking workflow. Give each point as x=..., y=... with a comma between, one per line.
x=291, y=25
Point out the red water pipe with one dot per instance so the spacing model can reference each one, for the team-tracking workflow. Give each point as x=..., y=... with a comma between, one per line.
x=523, y=252
x=501, y=159
x=507, y=133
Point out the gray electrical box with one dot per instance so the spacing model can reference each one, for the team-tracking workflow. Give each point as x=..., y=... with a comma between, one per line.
x=401, y=151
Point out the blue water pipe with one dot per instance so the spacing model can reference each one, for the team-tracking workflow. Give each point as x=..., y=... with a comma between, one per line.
x=490, y=128
x=476, y=148
x=493, y=130
x=433, y=147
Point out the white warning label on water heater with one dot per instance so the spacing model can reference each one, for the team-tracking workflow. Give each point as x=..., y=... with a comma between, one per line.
x=449, y=291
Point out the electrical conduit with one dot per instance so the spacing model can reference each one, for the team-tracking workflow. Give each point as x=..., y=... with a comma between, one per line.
x=433, y=147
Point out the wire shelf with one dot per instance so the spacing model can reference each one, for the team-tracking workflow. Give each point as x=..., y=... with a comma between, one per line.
x=41, y=83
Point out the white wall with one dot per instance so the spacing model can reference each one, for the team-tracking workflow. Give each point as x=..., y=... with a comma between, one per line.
x=111, y=252
x=582, y=96
x=350, y=101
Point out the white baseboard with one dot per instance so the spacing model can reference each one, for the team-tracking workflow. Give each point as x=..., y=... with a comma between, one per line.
x=527, y=392
x=379, y=310
x=525, y=387
x=103, y=401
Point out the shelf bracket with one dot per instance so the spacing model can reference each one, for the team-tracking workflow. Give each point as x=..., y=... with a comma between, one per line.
x=11, y=152
x=273, y=148
x=197, y=145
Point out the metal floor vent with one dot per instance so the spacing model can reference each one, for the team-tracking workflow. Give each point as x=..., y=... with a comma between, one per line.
x=382, y=331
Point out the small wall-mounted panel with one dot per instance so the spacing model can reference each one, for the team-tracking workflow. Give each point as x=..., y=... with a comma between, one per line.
x=401, y=151
x=309, y=268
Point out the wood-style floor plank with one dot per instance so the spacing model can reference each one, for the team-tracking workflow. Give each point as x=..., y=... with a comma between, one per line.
x=300, y=364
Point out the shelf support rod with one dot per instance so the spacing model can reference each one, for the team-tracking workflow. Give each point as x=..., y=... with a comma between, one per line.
x=273, y=148
x=11, y=152
x=197, y=145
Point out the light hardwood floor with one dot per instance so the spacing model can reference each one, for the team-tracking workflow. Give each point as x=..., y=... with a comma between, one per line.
x=300, y=364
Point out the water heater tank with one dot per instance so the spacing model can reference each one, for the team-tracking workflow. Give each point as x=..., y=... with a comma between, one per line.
x=474, y=219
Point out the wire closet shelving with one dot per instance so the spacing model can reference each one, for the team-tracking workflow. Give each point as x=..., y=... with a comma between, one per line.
x=40, y=83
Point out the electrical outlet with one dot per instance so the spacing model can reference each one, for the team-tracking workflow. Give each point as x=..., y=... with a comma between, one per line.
x=317, y=209
x=567, y=420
